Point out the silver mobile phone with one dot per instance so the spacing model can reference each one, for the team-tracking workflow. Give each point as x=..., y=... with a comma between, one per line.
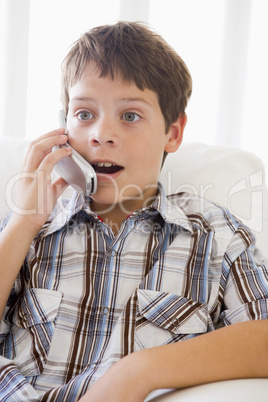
x=75, y=170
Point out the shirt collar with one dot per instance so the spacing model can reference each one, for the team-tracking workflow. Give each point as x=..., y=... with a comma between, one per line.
x=169, y=211
x=66, y=209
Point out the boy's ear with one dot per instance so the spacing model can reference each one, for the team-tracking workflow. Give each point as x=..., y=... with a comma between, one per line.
x=175, y=134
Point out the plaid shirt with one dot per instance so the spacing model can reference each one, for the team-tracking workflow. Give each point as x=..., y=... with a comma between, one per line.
x=84, y=299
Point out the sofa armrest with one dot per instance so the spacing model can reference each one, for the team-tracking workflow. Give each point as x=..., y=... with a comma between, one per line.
x=246, y=390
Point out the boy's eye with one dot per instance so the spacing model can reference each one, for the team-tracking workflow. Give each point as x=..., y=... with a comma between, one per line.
x=131, y=116
x=85, y=116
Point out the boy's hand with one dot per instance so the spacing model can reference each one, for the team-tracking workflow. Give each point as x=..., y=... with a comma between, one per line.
x=36, y=195
x=124, y=381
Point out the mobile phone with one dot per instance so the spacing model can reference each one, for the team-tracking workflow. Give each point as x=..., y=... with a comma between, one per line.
x=75, y=170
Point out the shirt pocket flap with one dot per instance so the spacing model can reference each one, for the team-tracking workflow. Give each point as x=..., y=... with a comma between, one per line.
x=37, y=306
x=254, y=310
x=174, y=313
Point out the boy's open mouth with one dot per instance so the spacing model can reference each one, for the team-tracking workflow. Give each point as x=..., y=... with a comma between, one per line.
x=106, y=167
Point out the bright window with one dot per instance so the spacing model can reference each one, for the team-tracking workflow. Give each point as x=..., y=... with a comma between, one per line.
x=54, y=26
x=195, y=29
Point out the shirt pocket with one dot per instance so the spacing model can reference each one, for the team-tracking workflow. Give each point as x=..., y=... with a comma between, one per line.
x=33, y=328
x=166, y=317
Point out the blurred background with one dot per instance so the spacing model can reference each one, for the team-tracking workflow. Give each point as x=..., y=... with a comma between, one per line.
x=223, y=42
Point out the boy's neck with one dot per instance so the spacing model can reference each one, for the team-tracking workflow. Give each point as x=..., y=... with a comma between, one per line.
x=113, y=218
x=114, y=215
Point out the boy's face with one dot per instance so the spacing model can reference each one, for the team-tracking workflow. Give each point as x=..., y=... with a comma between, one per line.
x=120, y=130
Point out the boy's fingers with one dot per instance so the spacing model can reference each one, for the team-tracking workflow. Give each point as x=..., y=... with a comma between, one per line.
x=50, y=160
x=40, y=149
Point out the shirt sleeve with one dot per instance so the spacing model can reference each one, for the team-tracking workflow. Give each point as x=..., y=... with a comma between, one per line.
x=14, y=296
x=13, y=386
x=4, y=220
x=246, y=292
x=4, y=328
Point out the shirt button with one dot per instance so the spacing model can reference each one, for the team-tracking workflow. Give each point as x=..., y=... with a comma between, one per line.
x=112, y=253
x=105, y=310
x=176, y=322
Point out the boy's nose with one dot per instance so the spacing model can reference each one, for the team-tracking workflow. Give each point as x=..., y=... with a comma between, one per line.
x=104, y=133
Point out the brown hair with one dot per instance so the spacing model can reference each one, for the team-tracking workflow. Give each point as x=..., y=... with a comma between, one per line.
x=137, y=54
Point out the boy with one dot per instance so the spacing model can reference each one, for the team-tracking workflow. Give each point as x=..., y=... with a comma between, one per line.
x=110, y=285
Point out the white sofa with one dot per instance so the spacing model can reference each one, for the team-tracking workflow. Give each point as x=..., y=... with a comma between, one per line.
x=231, y=177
